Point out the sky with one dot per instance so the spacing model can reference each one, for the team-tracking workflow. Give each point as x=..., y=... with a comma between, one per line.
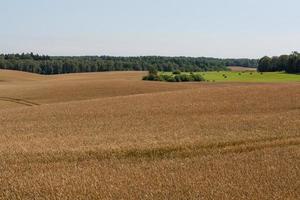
x=213, y=28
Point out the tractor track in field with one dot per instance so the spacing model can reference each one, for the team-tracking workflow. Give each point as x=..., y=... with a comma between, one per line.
x=19, y=101
x=194, y=150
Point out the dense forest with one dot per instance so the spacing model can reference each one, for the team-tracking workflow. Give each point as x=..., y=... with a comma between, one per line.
x=44, y=64
x=252, y=63
x=289, y=63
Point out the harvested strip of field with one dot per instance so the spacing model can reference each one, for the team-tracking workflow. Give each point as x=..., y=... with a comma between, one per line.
x=241, y=69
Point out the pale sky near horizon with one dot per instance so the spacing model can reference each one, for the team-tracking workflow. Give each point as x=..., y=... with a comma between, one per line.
x=215, y=28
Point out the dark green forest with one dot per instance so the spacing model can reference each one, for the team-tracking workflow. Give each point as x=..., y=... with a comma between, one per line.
x=43, y=64
x=288, y=63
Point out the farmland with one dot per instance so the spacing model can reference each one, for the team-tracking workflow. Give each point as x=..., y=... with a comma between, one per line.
x=247, y=76
x=251, y=77
x=111, y=135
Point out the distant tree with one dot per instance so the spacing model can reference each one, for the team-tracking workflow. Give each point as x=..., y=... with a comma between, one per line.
x=289, y=63
x=264, y=64
x=274, y=64
x=283, y=62
x=293, y=63
x=153, y=71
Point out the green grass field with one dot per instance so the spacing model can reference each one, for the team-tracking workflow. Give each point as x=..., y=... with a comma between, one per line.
x=230, y=76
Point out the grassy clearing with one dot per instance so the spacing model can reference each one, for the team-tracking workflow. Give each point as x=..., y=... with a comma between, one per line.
x=234, y=76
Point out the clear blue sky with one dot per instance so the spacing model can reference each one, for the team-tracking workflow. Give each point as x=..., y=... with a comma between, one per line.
x=217, y=28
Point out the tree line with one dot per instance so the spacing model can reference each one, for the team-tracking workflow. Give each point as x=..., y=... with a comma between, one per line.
x=44, y=64
x=288, y=63
x=252, y=63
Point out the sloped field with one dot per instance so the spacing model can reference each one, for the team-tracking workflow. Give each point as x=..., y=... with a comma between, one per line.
x=113, y=136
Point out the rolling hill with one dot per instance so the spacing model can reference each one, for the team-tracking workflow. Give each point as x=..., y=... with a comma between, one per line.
x=110, y=136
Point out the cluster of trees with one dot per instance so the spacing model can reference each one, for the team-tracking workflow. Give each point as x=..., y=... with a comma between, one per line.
x=23, y=56
x=251, y=63
x=289, y=63
x=177, y=76
x=44, y=64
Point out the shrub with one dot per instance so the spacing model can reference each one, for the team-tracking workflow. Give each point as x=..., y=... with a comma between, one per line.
x=177, y=78
x=168, y=78
x=177, y=72
x=153, y=71
x=164, y=76
x=171, y=79
x=159, y=78
x=197, y=77
x=186, y=78
x=151, y=77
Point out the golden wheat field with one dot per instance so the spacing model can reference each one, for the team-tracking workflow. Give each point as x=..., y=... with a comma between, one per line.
x=112, y=136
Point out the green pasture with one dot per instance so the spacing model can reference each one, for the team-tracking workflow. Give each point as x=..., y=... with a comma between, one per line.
x=230, y=76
